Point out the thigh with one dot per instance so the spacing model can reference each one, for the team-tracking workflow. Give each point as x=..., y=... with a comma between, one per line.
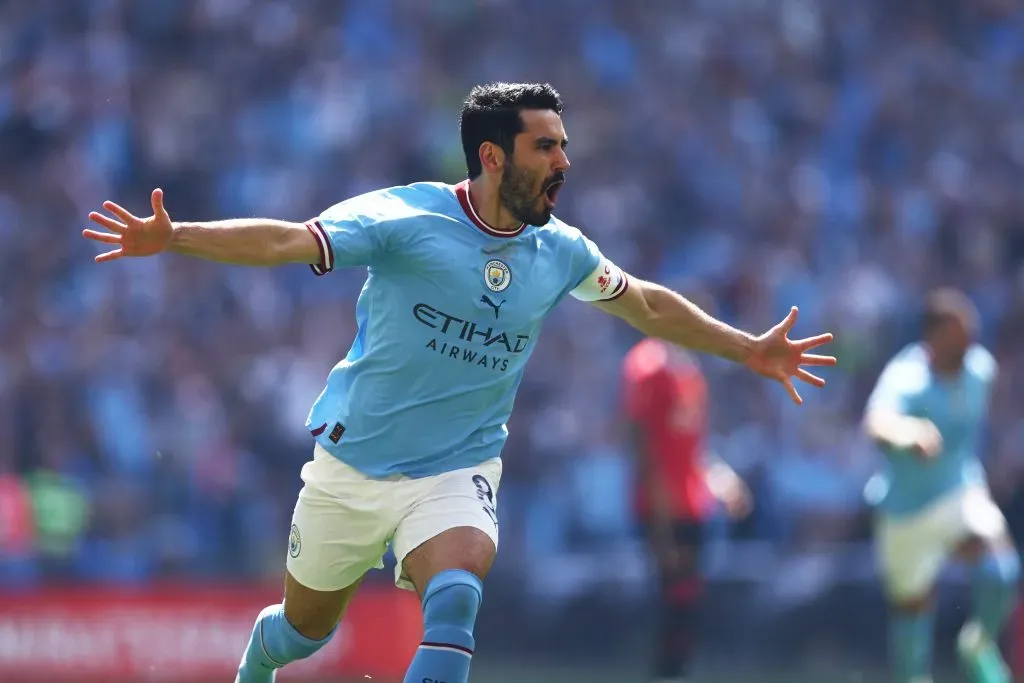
x=676, y=549
x=451, y=523
x=339, y=527
x=911, y=554
x=689, y=540
x=462, y=547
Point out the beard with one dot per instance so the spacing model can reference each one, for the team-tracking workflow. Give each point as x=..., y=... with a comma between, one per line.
x=517, y=192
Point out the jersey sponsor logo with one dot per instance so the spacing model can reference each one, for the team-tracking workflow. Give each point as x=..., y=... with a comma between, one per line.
x=497, y=276
x=468, y=341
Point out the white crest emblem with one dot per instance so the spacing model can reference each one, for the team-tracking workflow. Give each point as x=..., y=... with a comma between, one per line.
x=294, y=541
x=497, y=276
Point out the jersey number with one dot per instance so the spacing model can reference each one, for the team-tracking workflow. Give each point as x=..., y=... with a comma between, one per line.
x=486, y=495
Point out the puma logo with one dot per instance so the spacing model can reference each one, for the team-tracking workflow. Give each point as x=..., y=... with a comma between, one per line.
x=487, y=300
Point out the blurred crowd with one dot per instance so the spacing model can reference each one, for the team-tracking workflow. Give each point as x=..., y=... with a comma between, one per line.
x=754, y=154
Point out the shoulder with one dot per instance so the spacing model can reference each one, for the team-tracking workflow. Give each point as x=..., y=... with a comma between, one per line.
x=909, y=368
x=560, y=233
x=980, y=362
x=397, y=203
x=580, y=258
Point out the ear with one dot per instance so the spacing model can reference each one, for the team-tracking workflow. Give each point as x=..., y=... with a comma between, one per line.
x=492, y=157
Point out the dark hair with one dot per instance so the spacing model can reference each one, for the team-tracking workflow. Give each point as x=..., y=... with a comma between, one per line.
x=947, y=304
x=491, y=114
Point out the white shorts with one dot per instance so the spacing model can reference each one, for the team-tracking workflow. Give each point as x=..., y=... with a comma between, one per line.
x=912, y=550
x=344, y=521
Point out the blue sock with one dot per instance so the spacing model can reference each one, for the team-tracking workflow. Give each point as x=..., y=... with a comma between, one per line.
x=273, y=644
x=910, y=645
x=996, y=578
x=450, y=604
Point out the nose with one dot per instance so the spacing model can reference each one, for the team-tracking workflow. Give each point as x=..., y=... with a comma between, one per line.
x=561, y=161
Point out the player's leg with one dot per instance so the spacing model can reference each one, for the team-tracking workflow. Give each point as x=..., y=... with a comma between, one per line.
x=995, y=582
x=911, y=626
x=338, y=533
x=295, y=629
x=911, y=556
x=679, y=592
x=445, y=547
x=447, y=572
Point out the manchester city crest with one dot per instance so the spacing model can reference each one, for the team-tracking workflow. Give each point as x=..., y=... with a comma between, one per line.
x=497, y=276
x=294, y=542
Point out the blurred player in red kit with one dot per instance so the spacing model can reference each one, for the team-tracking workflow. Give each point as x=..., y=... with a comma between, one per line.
x=677, y=485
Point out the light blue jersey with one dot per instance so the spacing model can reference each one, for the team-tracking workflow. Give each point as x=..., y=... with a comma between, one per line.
x=447, y=319
x=957, y=406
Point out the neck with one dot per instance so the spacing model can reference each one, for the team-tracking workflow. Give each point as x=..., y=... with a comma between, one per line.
x=486, y=199
x=946, y=369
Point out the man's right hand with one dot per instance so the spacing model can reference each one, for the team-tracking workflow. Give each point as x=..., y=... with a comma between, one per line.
x=133, y=236
x=925, y=439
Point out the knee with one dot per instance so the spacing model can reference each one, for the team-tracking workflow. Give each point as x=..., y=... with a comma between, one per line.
x=452, y=598
x=912, y=605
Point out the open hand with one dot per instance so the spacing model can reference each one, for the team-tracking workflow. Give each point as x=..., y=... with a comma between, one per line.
x=778, y=357
x=133, y=236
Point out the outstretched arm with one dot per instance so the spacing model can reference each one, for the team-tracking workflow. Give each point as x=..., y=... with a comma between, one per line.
x=251, y=242
x=659, y=312
x=246, y=241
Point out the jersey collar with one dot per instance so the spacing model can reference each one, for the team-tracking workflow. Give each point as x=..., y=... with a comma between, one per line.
x=462, y=192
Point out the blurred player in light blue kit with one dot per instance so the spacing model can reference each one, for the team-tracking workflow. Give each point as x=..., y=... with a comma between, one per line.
x=410, y=425
x=927, y=412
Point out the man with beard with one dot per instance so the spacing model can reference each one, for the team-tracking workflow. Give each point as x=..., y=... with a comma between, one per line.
x=410, y=425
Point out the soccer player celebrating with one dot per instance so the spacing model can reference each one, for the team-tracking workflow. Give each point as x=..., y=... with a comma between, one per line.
x=678, y=479
x=410, y=425
x=927, y=413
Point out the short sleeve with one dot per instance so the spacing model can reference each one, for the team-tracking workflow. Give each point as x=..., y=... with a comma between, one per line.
x=899, y=381
x=982, y=363
x=596, y=278
x=346, y=236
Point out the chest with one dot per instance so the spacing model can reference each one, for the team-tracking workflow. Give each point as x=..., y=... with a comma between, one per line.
x=492, y=282
x=955, y=406
x=685, y=405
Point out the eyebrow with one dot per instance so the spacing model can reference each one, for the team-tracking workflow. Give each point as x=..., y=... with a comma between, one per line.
x=545, y=140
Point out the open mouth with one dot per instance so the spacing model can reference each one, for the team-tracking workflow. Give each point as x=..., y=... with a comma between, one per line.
x=551, y=193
